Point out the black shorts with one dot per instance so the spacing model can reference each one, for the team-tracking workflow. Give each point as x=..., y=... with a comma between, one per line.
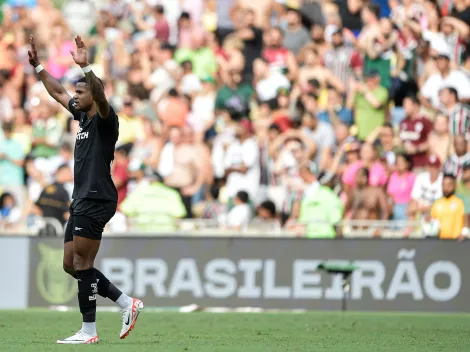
x=88, y=218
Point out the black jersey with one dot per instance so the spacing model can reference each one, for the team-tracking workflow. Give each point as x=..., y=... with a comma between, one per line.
x=94, y=154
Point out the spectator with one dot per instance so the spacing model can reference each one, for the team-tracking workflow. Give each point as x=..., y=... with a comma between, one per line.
x=313, y=69
x=456, y=161
x=181, y=167
x=6, y=106
x=414, y=132
x=239, y=216
x=320, y=207
x=400, y=186
x=440, y=140
x=445, y=77
x=54, y=200
x=11, y=164
x=268, y=82
x=369, y=101
x=266, y=211
x=279, y=58
x=241, y=163
x=295, y=36
x=234, y=96
x=376, y=173
x=343, y=60
x=10, y=213
x=162, y=28
x=47, y=131
x=202, y=58
x=130, y=126
x=449, y=210
x=387, y=147
x=252, y=38
x=120, y=172
x=154, y=207
x=336, y=112
x=173, y=111
x=459, y=114
x=463, y=192
x=365, y=202
x=322, y=135
x=426, y=189
x=213, y=208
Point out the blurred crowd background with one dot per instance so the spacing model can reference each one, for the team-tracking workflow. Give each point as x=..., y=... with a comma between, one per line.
x=269, y=116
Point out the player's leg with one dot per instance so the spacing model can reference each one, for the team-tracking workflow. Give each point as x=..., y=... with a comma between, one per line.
x=130, y=307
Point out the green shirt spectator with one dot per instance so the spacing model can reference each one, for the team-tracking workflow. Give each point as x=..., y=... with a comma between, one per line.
x=370, y=102
x=154, y=207
x=11, y=159
x=463, y=188
x=203, y=60
x=234, y=98
x=320, y=207
x=46, y=137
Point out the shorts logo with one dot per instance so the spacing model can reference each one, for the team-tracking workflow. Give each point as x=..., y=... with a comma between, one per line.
x=78, y=228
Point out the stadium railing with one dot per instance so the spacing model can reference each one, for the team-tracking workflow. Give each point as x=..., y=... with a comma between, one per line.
x=257, y=228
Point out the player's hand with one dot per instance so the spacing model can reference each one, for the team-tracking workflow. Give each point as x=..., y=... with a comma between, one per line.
x=33, y=54
x=80, y=56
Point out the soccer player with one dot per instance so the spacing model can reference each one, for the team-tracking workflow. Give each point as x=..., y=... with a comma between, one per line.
x=94, y=194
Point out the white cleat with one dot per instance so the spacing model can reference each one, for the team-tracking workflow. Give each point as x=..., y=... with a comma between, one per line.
x=129, y=317
x=80, y=338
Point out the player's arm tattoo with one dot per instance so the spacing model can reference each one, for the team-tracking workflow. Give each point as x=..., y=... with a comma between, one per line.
x=97, y=92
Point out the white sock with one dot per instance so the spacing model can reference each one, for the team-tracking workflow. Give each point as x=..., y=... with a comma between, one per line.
x=124, y=301
x=89, y=328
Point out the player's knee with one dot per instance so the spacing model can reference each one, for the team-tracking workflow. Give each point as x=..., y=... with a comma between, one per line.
x=80, y=263
x=68, y=268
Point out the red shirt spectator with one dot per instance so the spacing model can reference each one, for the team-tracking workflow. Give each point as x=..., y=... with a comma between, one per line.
x=120, y=173
x=162, y=29
x=414, y=132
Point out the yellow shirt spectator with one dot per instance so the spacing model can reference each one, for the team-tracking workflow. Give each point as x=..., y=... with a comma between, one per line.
x=450, y=214
x=130, y=129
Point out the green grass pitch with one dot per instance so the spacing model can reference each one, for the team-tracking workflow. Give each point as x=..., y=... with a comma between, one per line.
x=37, y=330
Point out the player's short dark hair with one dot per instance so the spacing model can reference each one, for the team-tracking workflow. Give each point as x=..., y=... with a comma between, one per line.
x=84, y=80
x=269, y=206
x=243, y=196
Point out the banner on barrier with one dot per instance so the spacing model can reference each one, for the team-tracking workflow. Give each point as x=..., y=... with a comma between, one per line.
x=401, y=275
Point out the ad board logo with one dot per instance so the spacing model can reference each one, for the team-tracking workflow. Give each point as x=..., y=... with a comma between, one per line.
x=53, y=284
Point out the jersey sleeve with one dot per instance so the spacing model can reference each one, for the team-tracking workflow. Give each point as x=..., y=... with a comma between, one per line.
x=76, y=114
x=109, y=125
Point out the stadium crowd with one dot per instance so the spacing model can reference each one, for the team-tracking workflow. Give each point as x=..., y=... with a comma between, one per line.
x=300, y=113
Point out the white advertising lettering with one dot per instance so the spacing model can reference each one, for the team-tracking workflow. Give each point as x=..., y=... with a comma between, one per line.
x=253, y=278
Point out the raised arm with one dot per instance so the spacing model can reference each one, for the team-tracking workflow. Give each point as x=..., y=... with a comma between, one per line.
x=93, y=82
x=53, y=87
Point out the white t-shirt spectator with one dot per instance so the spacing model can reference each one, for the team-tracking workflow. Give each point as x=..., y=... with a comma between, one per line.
x=323, y=136
x=436, y=82
x=202, y=112
x=239, y=216
x=424, y=190
x=267, y=88
x=190, y=84
x=238, y=154
x=162, y=79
